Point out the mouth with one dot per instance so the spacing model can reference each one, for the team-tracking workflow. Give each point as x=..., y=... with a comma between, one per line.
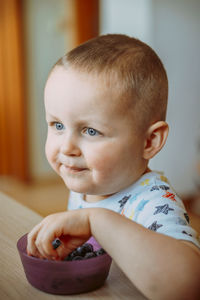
x=73, y=169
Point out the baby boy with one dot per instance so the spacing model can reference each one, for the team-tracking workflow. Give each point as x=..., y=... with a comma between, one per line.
x=105, y=105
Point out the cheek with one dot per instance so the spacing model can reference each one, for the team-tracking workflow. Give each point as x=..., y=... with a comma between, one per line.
x=105, y=159
x=50, y=150
x=113, y=159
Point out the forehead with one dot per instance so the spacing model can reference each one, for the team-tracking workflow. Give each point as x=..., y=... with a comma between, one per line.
x=99, y=90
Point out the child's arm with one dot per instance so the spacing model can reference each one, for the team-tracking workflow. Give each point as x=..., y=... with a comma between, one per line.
x=159, y=266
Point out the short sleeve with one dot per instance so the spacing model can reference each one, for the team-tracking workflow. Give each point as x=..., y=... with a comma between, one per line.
x=165, y=213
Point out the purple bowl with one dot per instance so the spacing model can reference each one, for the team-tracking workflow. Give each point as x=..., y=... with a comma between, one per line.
x=65, y=277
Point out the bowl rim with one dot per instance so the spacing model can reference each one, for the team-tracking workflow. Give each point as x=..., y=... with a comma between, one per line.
x=36, y=259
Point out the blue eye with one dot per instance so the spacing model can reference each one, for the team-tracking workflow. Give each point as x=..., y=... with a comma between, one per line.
x=92, y=131
x=58, y=126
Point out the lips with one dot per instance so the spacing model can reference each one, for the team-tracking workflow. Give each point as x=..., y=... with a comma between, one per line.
x=73, y=169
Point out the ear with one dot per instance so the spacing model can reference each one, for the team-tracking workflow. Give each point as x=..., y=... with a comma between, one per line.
x=156, y=137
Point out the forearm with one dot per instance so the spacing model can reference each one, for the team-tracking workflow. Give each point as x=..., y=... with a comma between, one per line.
x=159, y=266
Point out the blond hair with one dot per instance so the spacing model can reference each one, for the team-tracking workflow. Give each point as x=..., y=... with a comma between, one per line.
x=139, y=71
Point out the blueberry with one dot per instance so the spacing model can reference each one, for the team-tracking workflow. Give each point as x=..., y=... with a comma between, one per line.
x=68, y=258
x=56, y=243
x=80, y=251
x=90, y=255
x=100, y=251
x=85, y=248
x=74, y=253
x=77, y=258
x=88, y=247
x=83, y=252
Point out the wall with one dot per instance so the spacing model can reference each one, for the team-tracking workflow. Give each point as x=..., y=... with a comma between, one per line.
x=176, y=38
x=45, y=43
x=132, y=17
x=172, y=28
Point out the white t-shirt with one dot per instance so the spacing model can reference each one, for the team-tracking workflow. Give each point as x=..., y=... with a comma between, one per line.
x=151, y=202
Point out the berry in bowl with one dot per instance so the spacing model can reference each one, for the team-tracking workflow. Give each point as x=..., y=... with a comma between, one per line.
x=83, y=270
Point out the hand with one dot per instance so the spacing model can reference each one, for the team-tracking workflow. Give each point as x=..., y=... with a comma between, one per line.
x=72, y=228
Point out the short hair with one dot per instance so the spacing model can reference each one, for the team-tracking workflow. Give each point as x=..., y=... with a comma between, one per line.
x=140, y=73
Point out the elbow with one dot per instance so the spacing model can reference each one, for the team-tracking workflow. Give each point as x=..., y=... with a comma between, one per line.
x=188, y=284
x=179, y=291
x=188, y=280
x=191, y=291
x=182, y=284
x=193, y=281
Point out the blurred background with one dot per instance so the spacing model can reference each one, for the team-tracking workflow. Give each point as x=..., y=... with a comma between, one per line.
x=34, y=34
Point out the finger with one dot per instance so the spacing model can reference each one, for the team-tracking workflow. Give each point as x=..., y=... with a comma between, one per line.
x=68, y=245
x=40, y=243
x=31, y=238
x=44, y=243
x=62, y=251
x=52, y=245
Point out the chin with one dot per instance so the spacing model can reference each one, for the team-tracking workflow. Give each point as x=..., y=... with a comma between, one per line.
x=76, y=187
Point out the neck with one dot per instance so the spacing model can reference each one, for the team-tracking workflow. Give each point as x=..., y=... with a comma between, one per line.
x=95, y=198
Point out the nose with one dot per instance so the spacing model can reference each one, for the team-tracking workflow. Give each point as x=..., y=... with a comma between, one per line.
x=70, y=146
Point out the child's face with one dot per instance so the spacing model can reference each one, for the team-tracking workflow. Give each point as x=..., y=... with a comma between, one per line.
x=92, y=141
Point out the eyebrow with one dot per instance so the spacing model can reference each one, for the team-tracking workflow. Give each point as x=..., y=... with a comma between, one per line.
x=51, y=116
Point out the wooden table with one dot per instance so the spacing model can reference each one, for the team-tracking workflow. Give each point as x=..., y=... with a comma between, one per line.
x=16, y=220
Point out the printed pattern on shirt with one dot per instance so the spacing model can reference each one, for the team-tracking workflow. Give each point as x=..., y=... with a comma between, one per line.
x=152, y=203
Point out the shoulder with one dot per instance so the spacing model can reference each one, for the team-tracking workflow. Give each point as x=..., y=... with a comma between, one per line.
x=160, y=209
x=159, y=198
